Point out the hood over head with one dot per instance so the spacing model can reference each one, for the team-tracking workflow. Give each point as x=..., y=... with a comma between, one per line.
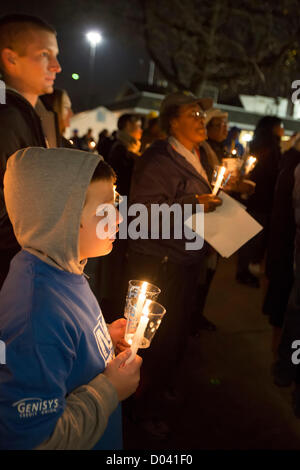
x=44, y=192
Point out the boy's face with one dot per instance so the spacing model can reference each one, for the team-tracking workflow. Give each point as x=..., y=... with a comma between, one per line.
x=35, y=70
x=99, y=193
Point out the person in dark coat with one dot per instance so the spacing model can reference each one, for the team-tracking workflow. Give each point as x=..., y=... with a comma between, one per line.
x=286, y=369
x=265, y=146
x=105, y=145
x=87, y=141
x=212, y=152
x=232, y=142
x=280, y=251
x=75, y=139
x=125, y=150
x=151, y=133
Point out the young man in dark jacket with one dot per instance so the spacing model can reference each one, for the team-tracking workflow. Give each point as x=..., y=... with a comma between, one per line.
x=125, y=150
x=28, y=64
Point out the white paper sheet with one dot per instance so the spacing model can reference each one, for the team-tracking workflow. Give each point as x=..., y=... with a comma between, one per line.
x=227, y=228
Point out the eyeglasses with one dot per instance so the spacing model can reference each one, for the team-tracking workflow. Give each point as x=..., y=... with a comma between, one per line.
x=197, y=115
x=194, y=114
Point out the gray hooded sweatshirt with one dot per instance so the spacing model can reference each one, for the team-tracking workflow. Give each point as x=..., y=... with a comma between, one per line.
x=45, y=190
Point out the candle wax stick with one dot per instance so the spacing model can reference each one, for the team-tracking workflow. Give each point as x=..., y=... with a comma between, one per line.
x=139, y=334
x=140, y=304
x=219, y=180
x=250, y=163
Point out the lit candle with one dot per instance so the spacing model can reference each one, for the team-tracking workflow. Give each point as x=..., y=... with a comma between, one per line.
x=92, y=145
x=219, y=180
x=140, y=331
x=250, y=164
x=233, y=152
x=141, y=299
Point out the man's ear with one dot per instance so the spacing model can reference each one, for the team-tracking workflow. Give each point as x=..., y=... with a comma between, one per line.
x=9, y=57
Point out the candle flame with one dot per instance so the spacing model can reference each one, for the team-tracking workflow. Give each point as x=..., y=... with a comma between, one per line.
x=222, y=171
x=116, y=194
x=251, y=160
x=144, y=287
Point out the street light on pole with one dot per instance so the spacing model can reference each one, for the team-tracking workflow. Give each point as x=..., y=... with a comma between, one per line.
x=94, y=38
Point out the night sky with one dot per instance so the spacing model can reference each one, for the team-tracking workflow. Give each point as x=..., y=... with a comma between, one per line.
x=119, y=58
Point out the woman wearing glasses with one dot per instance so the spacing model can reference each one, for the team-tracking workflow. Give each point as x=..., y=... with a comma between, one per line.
x=170, y=172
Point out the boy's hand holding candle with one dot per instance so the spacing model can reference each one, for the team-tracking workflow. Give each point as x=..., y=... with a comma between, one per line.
x=124, y=378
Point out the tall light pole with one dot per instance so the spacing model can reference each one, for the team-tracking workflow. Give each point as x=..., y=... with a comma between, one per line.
x=94, y=38
x=151, y=73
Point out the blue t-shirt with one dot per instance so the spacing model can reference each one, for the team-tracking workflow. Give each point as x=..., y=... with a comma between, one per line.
x=56, y=340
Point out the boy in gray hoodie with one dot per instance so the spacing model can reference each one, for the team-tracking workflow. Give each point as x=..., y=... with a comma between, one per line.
x=62, y=383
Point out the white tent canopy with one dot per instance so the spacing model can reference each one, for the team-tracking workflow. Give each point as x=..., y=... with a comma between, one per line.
x=97, y=119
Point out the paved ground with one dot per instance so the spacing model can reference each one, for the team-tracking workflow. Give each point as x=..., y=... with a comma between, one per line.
x=232, y=402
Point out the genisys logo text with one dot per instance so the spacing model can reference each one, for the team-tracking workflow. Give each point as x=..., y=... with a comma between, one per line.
x=29, y=407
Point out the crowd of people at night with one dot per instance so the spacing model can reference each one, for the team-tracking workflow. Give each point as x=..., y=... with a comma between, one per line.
x=63, y=289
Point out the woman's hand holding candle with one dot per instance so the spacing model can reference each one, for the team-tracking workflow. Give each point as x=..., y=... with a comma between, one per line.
x=209, y=201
